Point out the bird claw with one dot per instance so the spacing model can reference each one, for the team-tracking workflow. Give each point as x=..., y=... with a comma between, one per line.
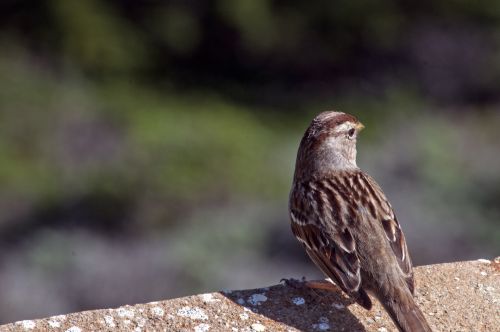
x=294, y=283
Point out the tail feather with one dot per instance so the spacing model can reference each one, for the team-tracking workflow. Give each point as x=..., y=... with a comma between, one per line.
x=363, y=299
x=406, y=314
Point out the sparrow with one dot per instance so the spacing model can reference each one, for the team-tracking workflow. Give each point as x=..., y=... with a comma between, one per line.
x=346, y=224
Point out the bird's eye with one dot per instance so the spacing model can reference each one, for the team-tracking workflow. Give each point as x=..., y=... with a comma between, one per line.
x=351, y=132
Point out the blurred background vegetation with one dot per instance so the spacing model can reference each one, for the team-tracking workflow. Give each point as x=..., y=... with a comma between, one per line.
x=147, y=147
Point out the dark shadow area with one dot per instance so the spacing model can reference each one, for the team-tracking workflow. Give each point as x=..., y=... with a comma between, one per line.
x=302, y=308
x=95, y=212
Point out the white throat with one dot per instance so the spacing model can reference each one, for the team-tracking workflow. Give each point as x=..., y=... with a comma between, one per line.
x=339, y=156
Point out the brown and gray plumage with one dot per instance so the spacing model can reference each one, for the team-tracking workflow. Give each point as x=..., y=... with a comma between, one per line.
x=346, y=224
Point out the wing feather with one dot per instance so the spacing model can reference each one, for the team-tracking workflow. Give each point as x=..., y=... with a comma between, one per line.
x=321, y=212
x=329, y=245
x=393, y=231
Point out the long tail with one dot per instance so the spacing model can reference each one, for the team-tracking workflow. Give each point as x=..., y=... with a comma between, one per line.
x=405, y=313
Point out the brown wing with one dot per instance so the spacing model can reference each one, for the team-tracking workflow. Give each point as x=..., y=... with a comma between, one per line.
x=392, y=228
x=328, y=242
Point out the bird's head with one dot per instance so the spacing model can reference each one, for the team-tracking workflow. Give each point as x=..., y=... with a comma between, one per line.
x=329, y=143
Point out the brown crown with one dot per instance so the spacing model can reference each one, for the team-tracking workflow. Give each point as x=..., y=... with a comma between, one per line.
x=332, y=119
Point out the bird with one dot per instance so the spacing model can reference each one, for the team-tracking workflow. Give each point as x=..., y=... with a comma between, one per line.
x=347, y=225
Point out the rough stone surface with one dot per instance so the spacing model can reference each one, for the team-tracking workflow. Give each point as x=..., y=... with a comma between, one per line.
x=463, y=296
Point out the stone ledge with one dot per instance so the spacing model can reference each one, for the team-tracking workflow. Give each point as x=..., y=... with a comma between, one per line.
x=462, y=296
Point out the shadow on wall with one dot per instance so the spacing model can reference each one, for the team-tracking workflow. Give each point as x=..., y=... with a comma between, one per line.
x=305, y=310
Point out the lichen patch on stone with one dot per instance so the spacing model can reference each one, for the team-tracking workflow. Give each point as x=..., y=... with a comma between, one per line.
x=202, y=328
x=258, y=327
x=109, y=321
x=257, y=299
x=208, y=298
x=298, y=300
x=141, y=321
x=27, y=324
x=322, y=325
x=125, y=313
x=482, y=260
x=193, y=313
x=54, y=323
x=59, y=318
x=338, y=306
x=74, y=329
x=158, y=311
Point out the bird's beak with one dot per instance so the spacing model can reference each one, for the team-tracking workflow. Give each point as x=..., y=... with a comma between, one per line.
x=360, y=126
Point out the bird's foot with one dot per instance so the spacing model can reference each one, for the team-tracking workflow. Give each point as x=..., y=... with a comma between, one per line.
x=294, y=283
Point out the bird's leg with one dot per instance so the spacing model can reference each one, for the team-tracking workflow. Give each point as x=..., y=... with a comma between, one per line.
x=322, y=284
x=313, y=284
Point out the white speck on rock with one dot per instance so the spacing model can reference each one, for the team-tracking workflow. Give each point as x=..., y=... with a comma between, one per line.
x=322, y=325
x=122, y=312
x=244, y=316
x=54, y=323
x=28, y=324
x=141, y=322
x=482, y=260
x=74, y=329
x=157, y=311
x=484, y=273
x=208, y=298
x=127, y=322
x=338, y=306
x=382, y=329
x=298, y=300
x=193, y=313
x=59, y=317
x=109, y=321
x=201, y=328
x=257, y=299
x=258, y=327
